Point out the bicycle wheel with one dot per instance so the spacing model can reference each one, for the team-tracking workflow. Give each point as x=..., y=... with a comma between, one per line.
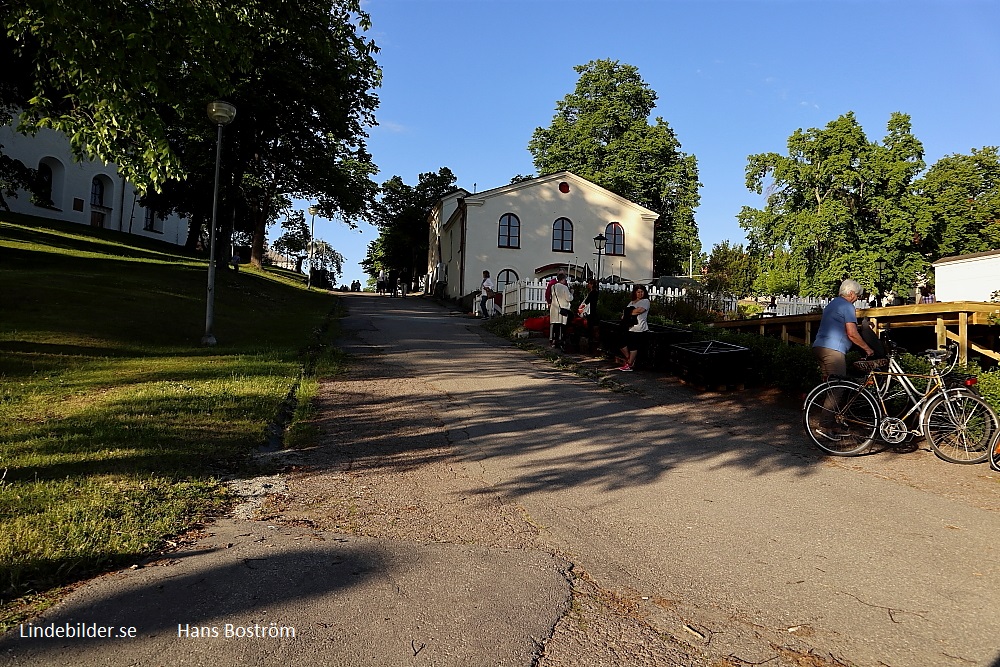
x=960, y=427
x=995, y=455
x=841, y=418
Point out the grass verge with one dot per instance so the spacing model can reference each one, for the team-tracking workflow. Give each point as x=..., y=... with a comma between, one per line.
x=116, y=426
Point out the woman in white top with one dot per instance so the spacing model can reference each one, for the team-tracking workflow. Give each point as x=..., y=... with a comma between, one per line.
x=635, y=336
x=562, y=297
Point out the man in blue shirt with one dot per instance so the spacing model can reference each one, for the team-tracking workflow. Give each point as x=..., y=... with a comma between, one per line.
x=838, y=329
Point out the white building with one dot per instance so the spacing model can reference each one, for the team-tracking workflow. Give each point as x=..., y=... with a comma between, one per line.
x=972, y=277
x=533, y=229
x=86, y=192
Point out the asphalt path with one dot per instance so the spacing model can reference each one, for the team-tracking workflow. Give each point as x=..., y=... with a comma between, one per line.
x=709, y=512
x=718, y=506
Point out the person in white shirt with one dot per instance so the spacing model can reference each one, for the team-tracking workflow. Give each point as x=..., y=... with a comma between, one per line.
x=562, y=299
x=635, y=338
x=485, y=294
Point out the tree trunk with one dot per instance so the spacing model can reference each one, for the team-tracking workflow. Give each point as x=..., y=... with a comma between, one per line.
x=195, y=223
x=259, y=233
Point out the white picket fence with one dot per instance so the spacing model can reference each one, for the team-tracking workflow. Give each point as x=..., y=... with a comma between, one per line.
x=530, y=295
x=794, y=305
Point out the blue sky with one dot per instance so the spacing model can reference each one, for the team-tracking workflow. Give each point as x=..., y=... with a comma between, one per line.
x=466, y=82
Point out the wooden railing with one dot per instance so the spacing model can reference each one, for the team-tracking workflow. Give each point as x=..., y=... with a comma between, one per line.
x=965, y=322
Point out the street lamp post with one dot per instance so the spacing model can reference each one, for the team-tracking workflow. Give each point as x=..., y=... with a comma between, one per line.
x=221, y=113
x=313, y=210
x=599, y=242
x=880, y=266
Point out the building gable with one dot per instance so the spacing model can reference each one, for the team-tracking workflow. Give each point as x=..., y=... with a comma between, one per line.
x=538, y=225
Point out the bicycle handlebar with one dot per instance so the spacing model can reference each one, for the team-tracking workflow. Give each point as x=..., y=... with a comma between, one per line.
x=948, y=355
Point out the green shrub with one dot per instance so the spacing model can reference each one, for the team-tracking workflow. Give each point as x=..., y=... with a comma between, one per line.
x=505, y=325
x=989, y=388
x=791, y=368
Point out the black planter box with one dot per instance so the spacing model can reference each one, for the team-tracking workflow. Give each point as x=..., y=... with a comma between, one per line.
x=656, y=354
x=711, y=363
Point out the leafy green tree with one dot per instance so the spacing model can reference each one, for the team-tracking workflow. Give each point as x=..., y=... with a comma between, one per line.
x=133, y=91
x=14, y=176
x=115, y=85
x=327, y=259
x=304, y=106
x=295, y=240
x=959, y=208
x=838, y=202
x=601, y=131
x=778, y=273
x=400, y=214
x=731, y=270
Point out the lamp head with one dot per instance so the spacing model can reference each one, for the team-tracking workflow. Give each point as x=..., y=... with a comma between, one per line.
x=599, y=242
x=313, y=210
x=221, y=113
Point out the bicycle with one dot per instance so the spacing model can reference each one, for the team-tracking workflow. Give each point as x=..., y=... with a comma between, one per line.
x=844, y=417
x=995, y=455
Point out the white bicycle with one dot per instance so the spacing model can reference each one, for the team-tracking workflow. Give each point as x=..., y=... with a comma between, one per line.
x=844, y=417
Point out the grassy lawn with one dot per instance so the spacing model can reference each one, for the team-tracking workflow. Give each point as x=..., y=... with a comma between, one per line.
x=116, y=425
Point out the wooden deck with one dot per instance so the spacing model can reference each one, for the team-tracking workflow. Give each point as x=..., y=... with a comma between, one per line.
x=965, y=322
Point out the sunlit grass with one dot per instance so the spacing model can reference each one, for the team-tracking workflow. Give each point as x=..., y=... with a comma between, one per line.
x=116, y=425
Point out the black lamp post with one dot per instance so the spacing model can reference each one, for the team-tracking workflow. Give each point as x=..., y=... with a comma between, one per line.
x=599, y=243
x=221, y=113
x=880, y=266
x=313, y=210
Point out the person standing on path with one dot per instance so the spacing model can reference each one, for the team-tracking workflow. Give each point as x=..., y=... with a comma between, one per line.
x=485, y=294
x=562, y=300
x=588, y=311
x=635, y=338
x=838, y=329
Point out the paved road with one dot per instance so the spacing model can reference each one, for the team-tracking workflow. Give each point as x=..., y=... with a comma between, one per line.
x=707, y=517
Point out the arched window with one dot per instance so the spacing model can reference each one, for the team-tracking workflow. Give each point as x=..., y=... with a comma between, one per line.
x=96, y=192
x=616, y=239
x=506, y=277
x=562, y=235
x=44, y=195
x=510, y=231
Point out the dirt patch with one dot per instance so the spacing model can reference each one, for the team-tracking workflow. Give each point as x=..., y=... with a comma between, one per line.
x=384, y=468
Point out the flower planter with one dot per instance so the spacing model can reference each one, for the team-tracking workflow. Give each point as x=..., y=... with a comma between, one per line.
x=711, y=363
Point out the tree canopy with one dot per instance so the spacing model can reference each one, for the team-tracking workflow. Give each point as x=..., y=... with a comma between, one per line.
x=959, y=208
x=116, y=85
x=601, y=131
x=133, y=91
x=400, y=214
x=730, y=270
x=838, y=202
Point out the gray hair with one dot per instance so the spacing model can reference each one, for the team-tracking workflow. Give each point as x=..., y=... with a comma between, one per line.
x=850, y=285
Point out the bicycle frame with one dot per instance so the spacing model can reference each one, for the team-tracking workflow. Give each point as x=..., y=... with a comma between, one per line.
x=919, y=402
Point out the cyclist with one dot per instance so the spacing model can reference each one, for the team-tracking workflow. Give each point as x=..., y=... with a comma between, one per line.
x=838, y=329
